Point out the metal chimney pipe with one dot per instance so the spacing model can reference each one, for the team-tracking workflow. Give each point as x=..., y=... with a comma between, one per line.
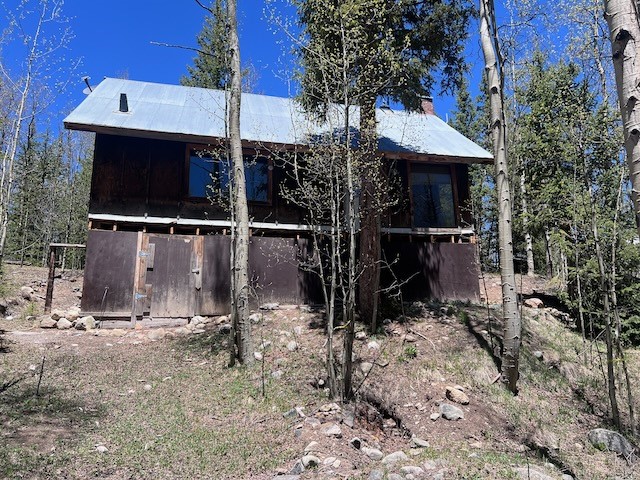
x=124, y=104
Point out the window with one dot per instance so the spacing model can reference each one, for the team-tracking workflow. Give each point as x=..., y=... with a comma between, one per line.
x=209, y=176
x=432, y=196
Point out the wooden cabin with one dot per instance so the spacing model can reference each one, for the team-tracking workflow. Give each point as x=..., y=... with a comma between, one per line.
x=158, y=248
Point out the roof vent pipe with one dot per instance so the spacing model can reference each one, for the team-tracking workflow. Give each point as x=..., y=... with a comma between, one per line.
x=124, y=104
x=427, y=105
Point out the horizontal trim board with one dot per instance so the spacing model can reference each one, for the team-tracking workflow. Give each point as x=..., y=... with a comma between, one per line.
x=188, y=222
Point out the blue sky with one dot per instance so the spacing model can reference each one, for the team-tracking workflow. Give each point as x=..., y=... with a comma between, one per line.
x=115, y=38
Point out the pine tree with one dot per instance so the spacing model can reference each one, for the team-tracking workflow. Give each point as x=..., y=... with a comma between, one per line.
x=211, y=66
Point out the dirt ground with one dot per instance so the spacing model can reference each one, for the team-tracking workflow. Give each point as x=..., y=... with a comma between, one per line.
x=168, y=407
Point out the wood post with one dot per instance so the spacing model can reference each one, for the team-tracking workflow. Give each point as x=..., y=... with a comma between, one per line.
x=52, y=272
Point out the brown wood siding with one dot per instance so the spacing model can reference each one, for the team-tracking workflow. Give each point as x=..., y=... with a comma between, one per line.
x=138, y=176
x=166, y=268
x=442, y=271
x=274, y=269
x=216, y=274
x=109, y=271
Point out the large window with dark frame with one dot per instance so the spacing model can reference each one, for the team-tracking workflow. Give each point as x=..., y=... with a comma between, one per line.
x=432, y=196
x=209, y=174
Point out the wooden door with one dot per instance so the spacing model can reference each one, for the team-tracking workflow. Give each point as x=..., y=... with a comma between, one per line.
x=169, y=276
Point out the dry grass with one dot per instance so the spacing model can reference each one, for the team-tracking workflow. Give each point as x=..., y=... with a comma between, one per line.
x=200, y=419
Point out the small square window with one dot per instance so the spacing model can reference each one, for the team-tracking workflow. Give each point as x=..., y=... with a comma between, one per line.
x=432, y=196
x=209, y=176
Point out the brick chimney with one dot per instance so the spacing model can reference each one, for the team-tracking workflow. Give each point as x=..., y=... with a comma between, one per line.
x=427, y=105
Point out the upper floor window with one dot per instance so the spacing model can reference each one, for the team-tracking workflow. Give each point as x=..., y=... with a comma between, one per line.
x=209, y=174
x=432, y=196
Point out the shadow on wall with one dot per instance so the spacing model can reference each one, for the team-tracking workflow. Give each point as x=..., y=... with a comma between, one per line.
x=438, y=271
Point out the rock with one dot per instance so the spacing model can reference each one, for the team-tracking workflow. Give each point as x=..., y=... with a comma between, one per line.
x=182, y=331
x=458, y=396
x=297, y=469
x=286, y=477
x=450, y=412
x=224, y=329
x=255, y=318
x=332, y=430
x=57, y=314
x=330, y=408
x=349, y=416
x=530, y=473
x=197, y=320
x=395, y=457
x=73, y=314
x=372, y=453
x=538, y=354
x=277, y=374
x=64, y=324
x=610, y=441
x=567, y=477
x=47, y=322
x=147, y=387
x=258, y=356
x=86, y=323
x=365, y=367
x=394, y=476
x=292, y=346
x=418, y=442
x=361, y=335
x=26, y=292
x=356, y=443
x=376, y=475
x=290, y=413
x=3, y=307
x=310, y=461
x=312, y=447
x=298, y=330
x=412, y=470
x=264, y=345
x=157, y=334
x=534, y=303
x=409, y=338
x=117, y=332
x=101, y=449
x=270, y=306
x=373, y=345
x=434, y=416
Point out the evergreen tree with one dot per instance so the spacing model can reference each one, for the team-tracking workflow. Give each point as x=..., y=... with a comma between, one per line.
x=211, y=66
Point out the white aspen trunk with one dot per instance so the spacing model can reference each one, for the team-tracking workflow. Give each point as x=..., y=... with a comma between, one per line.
x=525, y=226
x=244, y=348
x=512, y=325
x=624, y=28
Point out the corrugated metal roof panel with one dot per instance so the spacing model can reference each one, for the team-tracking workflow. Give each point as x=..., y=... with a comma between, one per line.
x=198, y=112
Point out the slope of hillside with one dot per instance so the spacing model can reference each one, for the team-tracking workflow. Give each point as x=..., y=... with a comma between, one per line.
x=162, y=404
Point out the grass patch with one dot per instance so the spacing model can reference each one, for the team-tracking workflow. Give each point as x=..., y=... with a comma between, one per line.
x=164, y=410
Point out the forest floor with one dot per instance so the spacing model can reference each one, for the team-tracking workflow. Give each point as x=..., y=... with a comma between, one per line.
x=132, y=405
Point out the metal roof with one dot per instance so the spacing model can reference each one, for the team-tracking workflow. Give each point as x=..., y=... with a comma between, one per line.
x=199, y=114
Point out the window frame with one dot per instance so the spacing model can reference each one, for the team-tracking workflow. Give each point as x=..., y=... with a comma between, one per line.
x=246, y=152
x=454, y=193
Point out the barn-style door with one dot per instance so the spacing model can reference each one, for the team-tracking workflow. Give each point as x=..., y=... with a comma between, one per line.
x=168, y=277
